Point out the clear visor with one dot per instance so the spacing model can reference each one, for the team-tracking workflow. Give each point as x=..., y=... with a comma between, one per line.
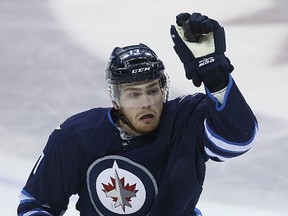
x=143, y=94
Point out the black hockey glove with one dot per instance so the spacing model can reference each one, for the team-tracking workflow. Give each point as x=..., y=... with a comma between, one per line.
x=200, y=44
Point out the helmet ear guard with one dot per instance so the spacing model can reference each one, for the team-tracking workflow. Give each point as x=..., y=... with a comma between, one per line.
x=162, y=81
x=164, y=84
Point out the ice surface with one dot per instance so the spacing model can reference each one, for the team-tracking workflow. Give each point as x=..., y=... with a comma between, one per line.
x=52, y=59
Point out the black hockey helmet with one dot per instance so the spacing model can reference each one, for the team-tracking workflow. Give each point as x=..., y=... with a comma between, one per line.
x=135, y=63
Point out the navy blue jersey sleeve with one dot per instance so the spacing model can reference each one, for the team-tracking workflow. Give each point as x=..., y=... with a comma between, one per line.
x=58, y=173
x=53, y=179
x=230, y=127
x=60, y=170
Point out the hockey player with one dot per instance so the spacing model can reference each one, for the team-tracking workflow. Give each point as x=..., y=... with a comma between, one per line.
x=146, y=155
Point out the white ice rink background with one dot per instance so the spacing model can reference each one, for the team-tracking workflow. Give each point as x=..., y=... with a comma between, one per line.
x=255, y=184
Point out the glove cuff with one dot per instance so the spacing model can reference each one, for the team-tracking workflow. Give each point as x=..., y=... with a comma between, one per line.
x=219, y=82
x=214, y=71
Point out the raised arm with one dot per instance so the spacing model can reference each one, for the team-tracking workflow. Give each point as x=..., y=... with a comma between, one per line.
x=230, y=125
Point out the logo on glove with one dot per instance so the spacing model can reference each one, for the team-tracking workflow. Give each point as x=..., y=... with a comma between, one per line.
x=206, y=61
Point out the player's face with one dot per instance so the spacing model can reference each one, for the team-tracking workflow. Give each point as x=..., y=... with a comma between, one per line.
x=142, y=104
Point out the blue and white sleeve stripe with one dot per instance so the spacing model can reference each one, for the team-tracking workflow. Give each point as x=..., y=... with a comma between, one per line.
x=221, y=149
x=35, y=212
x=26, y=198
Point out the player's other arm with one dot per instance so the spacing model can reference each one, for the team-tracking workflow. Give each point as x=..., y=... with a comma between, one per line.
x=53, y=179
x=230, y=126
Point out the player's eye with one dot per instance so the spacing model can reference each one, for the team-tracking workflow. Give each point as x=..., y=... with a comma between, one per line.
x=153, y=91
x=133, y=95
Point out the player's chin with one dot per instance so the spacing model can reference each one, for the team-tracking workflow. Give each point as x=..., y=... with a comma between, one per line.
x=147, y=128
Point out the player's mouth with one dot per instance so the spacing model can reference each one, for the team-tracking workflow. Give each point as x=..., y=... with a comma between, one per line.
x=147, y=118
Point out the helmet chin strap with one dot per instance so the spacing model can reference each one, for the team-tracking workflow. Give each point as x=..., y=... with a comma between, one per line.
x=124, y=120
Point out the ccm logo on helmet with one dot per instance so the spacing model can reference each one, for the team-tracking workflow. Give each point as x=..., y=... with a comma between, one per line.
x=140, y=70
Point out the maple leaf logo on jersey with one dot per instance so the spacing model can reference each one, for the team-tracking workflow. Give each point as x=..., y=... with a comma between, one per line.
x=119, y=192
